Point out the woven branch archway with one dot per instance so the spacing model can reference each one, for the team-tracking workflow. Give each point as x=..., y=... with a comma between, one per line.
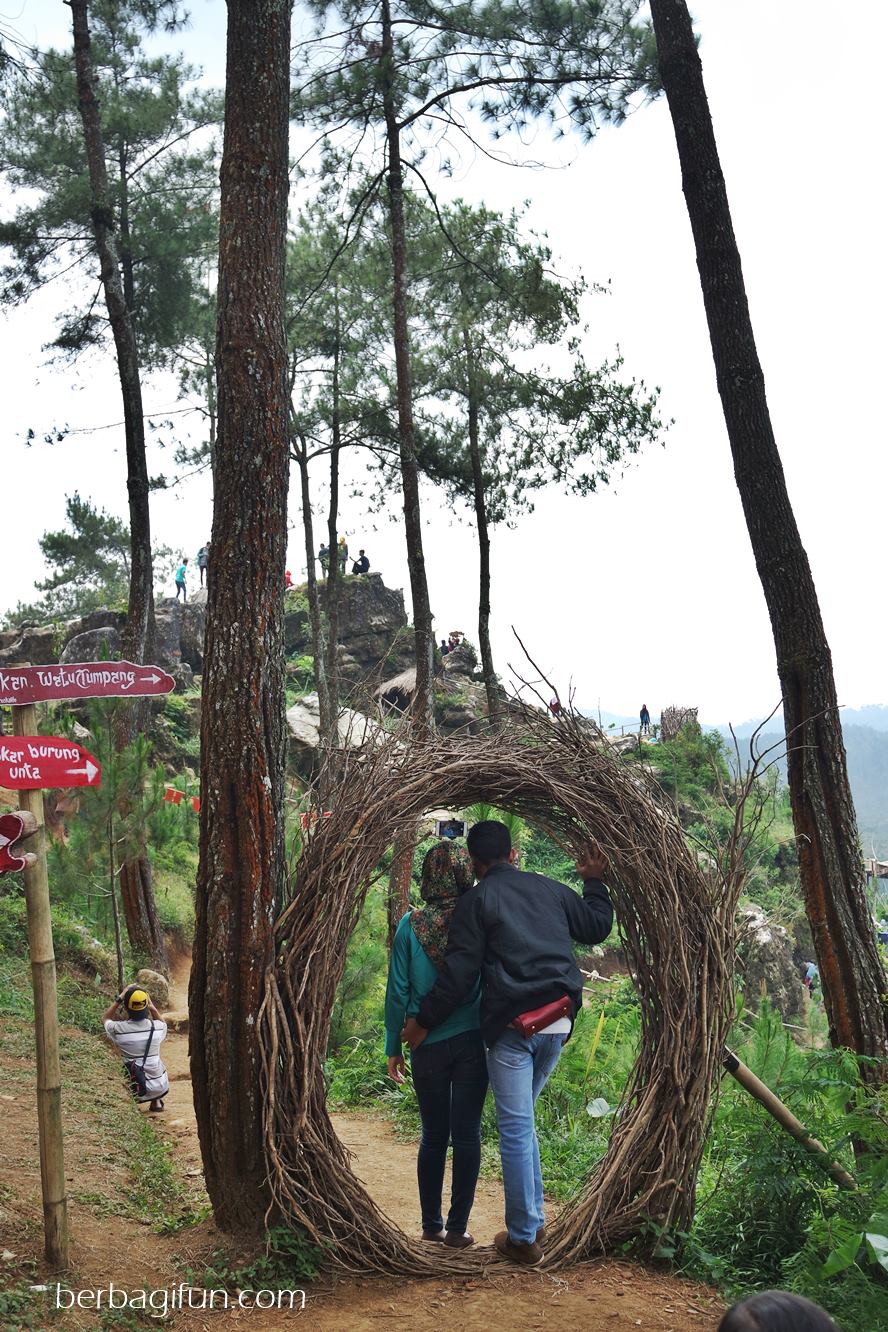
x=676, y=922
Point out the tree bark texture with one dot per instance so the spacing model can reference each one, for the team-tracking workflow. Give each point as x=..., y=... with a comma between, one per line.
x=334, y=574
x=318, y=635
x=419, y=591
x=831, y=867
x=494, y=705
x=135, y=882
x=400, y=875
x=243, y=739
x=140, y=912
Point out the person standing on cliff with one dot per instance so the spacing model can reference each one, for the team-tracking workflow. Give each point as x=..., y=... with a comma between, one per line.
x=342, y=550
x=180, y=579
x=203, y=560
x=645, y=718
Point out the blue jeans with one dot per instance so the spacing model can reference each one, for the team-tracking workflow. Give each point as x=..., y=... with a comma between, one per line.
x=450, y=1081
x=519, y=1068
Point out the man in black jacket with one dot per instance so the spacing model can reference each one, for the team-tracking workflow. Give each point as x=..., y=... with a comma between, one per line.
x=516, y=929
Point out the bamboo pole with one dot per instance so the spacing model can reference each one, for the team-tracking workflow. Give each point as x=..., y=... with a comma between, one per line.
x=786, y=1119
x=46, y=1021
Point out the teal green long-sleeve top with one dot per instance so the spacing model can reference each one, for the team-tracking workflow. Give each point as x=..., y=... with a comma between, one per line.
x=411, y=976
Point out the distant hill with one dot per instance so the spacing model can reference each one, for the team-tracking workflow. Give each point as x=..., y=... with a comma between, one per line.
x=874, y=715
x=867, y=749
x=865, y=731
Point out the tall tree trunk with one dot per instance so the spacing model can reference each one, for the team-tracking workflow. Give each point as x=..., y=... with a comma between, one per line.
x=422, y=709
x=315, y=618
x=136, y=888
x=419, y=591
x=334, y=578
x=491, y=685
x=243, y=740
x=830, y=863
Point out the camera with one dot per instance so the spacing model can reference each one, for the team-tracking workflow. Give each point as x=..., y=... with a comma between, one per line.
x=450, y=828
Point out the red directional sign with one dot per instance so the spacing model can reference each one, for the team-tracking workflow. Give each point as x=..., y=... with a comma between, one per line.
x=29, y=762
x=91, y=679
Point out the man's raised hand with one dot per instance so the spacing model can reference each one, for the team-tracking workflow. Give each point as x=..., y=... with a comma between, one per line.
x=592, y=862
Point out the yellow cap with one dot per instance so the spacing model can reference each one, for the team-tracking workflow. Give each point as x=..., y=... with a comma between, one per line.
x=137, y=1001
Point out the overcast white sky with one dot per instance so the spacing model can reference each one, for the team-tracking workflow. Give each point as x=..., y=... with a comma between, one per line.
x=647, y=592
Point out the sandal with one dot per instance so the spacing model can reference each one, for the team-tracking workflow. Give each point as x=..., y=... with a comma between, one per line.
x=155, y=1107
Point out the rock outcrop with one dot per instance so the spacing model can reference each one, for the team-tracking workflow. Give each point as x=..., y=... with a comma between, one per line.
x=304, y=727
x=374, y=640
x=92, y=645
x=38, y=645
x=766, y=963
x=157, y=986
x=375, y=644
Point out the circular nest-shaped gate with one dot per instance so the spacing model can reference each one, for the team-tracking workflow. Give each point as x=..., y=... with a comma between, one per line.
x=676, y=924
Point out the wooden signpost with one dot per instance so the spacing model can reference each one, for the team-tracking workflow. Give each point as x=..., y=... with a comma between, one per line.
x=28, y=763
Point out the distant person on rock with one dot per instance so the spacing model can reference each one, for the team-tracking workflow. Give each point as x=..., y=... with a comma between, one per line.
x=203, y=560
x=288, y=581
x=139, y=1038
x=324, y=557
x=180, y=579
x=445, y=647
x=517, y=930
x=343, y=554
x=361, y=564
x=555, y=706
x=449, y=1069
x=645, y=717
x=777, y=1311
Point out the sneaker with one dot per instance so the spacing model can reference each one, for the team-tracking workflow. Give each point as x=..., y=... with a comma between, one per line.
x=526, y=1255
x=434, y=1236
x=458, y=1239
x=541, y=1235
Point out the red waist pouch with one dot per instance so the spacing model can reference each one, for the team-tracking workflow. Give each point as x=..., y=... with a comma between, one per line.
x=540, y=1018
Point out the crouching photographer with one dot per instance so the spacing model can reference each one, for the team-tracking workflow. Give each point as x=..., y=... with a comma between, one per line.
x=138, y=1037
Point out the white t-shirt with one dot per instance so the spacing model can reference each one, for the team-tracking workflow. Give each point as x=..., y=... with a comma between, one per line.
x=562, y=1024
x=131, y=1038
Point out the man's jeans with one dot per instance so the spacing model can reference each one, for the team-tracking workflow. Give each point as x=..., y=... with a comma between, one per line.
x=450, y=1081
x=519, y=1068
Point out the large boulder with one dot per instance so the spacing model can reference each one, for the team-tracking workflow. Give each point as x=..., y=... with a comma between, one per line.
x=93, y=645
x=373, y=634
x=463, y=709
x=168, y=634
x=304, y=725
x=158, y=987
x=97, y=619
x=36, y=644
x=297, y=628
x=374, y=640
x=766, y=965
x=193, y=628
x=460, y=660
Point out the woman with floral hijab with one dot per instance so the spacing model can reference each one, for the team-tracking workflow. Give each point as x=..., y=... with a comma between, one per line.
x=449, y=1068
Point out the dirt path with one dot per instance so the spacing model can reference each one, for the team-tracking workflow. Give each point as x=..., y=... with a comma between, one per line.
x=597, y=1297
x=604, y=1295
